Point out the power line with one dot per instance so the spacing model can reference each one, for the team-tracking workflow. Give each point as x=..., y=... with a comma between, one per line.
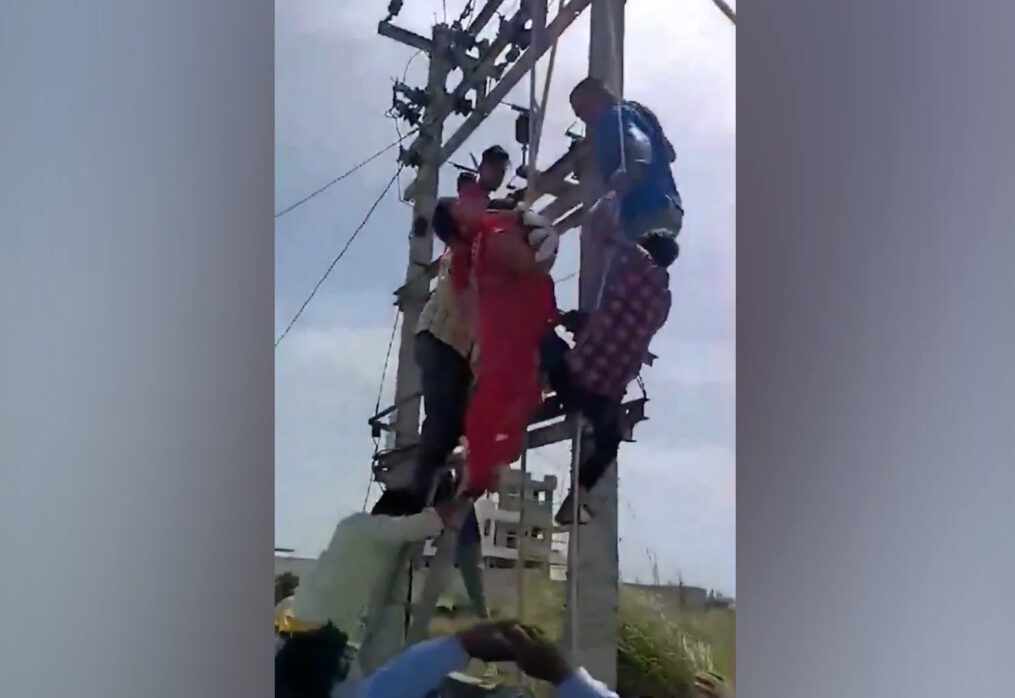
x=390, y=114
x=338, y=257
x=377, y=405
x=345, y=174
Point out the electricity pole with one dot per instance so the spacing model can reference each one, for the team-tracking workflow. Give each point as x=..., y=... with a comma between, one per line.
x=413, y=295
x=596, y=565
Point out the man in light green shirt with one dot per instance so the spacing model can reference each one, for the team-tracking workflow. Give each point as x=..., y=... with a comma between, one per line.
x=360, y=559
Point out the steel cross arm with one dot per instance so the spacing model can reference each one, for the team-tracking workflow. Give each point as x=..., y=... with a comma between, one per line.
x=632, y=412
x=484, y=16
x=404, y=36
x=556, y=173
x=570, y=221
x=474, y=79
x=567, y=15
x=563, y=204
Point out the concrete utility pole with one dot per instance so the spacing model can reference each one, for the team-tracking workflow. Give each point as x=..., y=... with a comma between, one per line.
x=593, y=634
x=385, y=635
x=413, y=295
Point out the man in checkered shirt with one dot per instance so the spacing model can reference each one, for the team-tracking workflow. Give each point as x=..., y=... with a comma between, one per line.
x=635, y=223
x=610, y=345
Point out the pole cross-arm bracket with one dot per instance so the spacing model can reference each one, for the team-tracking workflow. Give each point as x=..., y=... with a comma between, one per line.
x=404, y=36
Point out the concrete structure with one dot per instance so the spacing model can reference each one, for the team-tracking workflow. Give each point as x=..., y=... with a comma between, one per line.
x=300, y=566
x=500, y=524
x=593, y=570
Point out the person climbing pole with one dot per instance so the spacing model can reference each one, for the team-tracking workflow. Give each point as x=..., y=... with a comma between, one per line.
x=635, y=224
x=444, y=333
x=361, y=556
x=633, y=158
x=499, y=275
x=443, y=350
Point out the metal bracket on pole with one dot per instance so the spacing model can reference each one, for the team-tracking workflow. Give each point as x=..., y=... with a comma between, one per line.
x=561, y=22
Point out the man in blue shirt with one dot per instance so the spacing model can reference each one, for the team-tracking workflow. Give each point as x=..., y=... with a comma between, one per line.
x=421, y=668
x=320, y=664
x=633, y=158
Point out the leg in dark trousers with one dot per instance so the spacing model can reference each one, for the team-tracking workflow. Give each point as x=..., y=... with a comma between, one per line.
x=446, y=379
x=602, y=413
x=604, y=416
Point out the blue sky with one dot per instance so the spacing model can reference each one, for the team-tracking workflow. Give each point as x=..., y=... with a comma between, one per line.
x=332, y=85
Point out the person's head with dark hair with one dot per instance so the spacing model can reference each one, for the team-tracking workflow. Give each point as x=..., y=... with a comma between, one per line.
x=285, y=586
x=590, y=98
x=661, y=246
x=493, y=166
x=397, y=503
x=443, y=222
x=309, y=665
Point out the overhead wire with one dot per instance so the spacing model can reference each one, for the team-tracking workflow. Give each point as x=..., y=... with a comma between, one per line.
x=377, y=403
x=339, y=256
x=394, y=117
x=345, y=174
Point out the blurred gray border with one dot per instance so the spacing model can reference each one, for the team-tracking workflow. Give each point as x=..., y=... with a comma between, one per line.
x=875, y=439
x=875, y=330
x=136, y=363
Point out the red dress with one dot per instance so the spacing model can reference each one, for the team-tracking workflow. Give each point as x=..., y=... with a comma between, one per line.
x=513, y=312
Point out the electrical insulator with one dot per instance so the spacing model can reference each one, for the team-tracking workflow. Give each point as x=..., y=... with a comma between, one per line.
x=463, y=106
x=409, y=158
x=513, y=54
x=394, y=7
x=523, y=38
x=522, y=129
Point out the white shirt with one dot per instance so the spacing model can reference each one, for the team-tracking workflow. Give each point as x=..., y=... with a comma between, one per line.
x=361, y=557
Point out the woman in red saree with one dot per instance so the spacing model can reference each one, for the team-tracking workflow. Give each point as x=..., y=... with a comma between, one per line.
x=513, y=306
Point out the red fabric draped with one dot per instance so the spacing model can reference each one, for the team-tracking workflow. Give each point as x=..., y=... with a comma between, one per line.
x=513, y=313
x=470, y=195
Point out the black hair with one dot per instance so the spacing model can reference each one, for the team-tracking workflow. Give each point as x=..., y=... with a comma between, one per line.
x=443, y=223
x=495, y=154
x=397, y=503
x=594, y=86
x=309, y=664
x=464, y=178
x=661, y=246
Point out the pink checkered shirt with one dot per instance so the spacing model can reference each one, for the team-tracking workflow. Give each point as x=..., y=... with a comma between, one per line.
x=611, y=347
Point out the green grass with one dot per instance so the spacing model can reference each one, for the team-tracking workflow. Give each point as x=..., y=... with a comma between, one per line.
x=659, y=647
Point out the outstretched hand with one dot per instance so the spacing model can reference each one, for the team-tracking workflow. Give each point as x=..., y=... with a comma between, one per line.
x=487, y=641
x=536, y=655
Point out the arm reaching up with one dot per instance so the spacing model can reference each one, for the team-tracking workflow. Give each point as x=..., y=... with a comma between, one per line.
x=406, y=529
